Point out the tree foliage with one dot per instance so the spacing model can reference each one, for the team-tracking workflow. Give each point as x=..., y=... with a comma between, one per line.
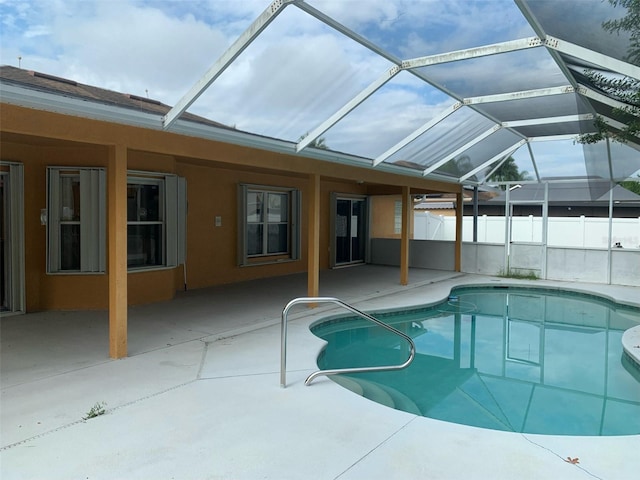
x=632, y=185
x=317, y=143
x=629, y=23
x=623, y=89
x=509, y=172
x=457, y=167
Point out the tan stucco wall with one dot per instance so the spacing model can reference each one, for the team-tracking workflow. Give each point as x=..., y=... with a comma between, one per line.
x=211, y=250
x=383, y=216
x=213, y=171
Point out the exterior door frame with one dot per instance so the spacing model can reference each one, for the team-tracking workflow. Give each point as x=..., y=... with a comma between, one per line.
x=13, y=232
x=334, y=198
x=541, y=245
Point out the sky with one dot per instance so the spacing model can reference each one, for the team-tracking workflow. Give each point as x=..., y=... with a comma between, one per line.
x=298, y=73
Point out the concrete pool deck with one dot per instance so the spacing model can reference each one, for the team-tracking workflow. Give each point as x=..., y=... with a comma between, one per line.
x=199, y=396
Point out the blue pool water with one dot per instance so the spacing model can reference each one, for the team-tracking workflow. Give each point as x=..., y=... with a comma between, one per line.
x=513, y=359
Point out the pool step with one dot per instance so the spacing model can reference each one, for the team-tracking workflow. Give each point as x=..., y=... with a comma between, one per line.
x=378, y=393
x=375, y=392
x=348, y=383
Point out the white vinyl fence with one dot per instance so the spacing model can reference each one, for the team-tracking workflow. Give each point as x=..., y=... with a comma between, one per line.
x=581, y=232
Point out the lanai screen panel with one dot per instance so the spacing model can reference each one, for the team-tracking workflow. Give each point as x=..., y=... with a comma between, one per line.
x=524, y=162
x=476, y=155
x=318, y=56
x=625, y=160
x=293, y=76
x=415, y=28
x=559, y=159
x=503, y=73
x=443, y=139
x=580, y=22
x=537, y=107
x=391, y=113
x=550, y=129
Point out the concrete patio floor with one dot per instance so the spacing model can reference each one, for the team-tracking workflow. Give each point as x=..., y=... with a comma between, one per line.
x=199, y=396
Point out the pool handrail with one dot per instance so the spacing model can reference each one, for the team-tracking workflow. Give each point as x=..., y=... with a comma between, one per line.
x=366, y=316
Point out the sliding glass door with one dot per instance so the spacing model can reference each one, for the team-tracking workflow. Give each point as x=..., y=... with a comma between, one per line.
x=349, y=222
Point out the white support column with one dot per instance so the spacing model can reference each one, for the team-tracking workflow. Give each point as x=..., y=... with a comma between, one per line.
x=407, y=214
x=507, y=229
x=611, y=185
x=545, y=230
x=533, y=160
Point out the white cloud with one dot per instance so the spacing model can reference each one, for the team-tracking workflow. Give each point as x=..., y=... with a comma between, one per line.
x=121, y=45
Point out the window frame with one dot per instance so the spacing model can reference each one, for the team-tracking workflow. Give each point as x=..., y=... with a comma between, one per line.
x=172, y=211
x=293, y=201
x=91, y=221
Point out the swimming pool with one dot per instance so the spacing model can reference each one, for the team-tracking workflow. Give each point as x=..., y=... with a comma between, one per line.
x=515, y=359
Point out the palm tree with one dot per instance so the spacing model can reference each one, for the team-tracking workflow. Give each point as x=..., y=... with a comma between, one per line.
x=317, y=143
x=457, y=167
x=509, y=172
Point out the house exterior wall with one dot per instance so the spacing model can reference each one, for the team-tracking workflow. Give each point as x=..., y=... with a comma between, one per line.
x=383, y=217
x=212, y=170
x=211, y=250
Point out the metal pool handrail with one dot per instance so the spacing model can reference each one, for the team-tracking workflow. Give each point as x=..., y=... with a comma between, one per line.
x=310, y=378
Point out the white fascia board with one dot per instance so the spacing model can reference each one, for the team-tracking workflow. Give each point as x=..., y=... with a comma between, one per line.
x=505, y=97
x=505, y=153
x=227, y=58
x=548, y=120
x=474, y=52
x=236, y=137
x=604, y=61
x=410, y=138
x=357, y=100
x=38, y=100
x=464, y=147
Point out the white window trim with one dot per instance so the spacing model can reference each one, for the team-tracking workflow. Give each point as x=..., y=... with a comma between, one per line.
x=293, y=252
x=397, y=217
x=173, y=216
x=92, y=219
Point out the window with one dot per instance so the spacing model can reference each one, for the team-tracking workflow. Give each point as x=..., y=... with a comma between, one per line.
x=75, y=217
x=397, y=217
x=269, y=224
x=156, y=212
